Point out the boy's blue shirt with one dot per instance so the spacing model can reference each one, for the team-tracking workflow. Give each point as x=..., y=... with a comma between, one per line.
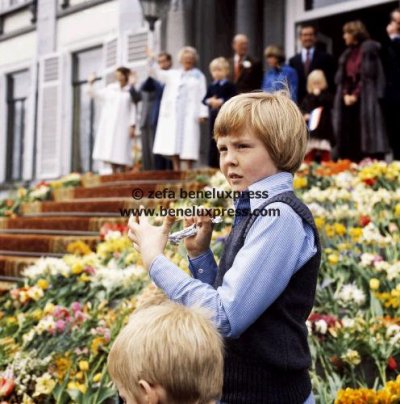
x=274, y=249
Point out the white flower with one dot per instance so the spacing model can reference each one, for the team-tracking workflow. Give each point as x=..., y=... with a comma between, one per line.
x=348, y=322
x=47, y=266
x=113, y=235
x=321, y=326
x=349, y=294
x=367, y=259
x=352, y=357
x=40, y=193
x=309, y=327
x=393, y=271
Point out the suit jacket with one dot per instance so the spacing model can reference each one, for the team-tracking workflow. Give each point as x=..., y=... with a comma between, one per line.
x=250, y=74
x=392, y=70
x=320, y=61
x=225, y=91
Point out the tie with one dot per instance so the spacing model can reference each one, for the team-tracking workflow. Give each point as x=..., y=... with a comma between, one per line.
x=236, y=72
x=242, y=208
x=307, y=63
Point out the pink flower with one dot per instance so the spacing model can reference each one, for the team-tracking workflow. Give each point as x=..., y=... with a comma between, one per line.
x=76, y=306
x=60, y=325
x=90, y=271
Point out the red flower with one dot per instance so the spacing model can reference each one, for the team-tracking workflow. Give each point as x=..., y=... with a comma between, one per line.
x=391, y=363
x=364, y=220
x=6, y=386
x=369, y=181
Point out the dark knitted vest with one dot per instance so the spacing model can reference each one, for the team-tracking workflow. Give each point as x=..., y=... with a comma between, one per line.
x=269, y=362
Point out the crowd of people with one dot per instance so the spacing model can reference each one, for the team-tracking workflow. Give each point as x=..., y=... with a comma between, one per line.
x=350, y=105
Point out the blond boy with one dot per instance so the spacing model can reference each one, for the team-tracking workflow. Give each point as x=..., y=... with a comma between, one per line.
x=218, y=92
x=262, y=291
x=168, y=354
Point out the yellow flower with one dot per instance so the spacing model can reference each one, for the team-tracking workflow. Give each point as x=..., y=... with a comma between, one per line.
x=21, y=192
x=35, y=293
x=97, y=377
x=79, y=376
x=84, y=278
x=300, y=182
x=79, y=248
x=27, y=400
x=62, y=366
x=77, y=386
x=397, y=210
x=352, y=357
x=329, y=230
x=319, y=222
x=77, y=268
x=96, y=344
x=44, y=385
x=42, y=284
x=49, y=308
x=37, y=314
x=374, y=284
x=339, y=229
x=333, y=259
x=84, y=365
x=355, y=233
x=11, y=320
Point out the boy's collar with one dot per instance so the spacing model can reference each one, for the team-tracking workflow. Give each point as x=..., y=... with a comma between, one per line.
x=274, y=185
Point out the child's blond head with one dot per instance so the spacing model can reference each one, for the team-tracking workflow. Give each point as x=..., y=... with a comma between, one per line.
x=274, y=119
x=172, y=346
x=220, y=63
x=316, y=78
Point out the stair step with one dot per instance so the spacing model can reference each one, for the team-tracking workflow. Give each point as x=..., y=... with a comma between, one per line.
x=41, y=244
x=74, y=223
x=111, y=206
x=125, y=189
x=30, y=254
x=50, y=232
x=12, y=265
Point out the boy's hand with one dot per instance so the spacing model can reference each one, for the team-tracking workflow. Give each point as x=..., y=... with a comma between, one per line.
x=199, y=243
x=147, y=239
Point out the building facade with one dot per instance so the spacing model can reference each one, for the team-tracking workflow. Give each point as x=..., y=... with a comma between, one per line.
x=48, y=48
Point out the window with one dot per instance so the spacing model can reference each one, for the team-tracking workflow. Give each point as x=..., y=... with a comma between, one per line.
x=313, y=4
x=7, y=4
x=17, y=93
x=85, y=115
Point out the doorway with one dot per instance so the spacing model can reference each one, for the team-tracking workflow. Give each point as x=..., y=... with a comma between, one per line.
x=375, y=18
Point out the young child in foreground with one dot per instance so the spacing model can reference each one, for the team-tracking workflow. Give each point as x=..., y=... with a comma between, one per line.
x=262, y=292
x=318, y=101
x=168, y=354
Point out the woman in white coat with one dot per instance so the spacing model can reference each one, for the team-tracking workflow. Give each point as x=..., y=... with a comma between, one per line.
x=181, y=111
x=117, y=122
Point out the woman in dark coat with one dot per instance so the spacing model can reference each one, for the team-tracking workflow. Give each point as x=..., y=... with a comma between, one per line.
x=358, y=117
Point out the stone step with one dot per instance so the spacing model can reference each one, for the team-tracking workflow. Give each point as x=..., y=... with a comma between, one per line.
x=74, y=223
x=41, y=244
x=111, y=206
x=49, y=232
x=11, y=267
x=127, y=189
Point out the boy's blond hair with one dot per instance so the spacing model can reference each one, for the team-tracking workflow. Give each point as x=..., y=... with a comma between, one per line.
x=222, y=62
x=316, y=75
x=172, y=346
x=274, y=119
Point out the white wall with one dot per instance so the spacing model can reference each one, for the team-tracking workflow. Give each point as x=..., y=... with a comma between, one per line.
x=18, y=49
x=95, y=22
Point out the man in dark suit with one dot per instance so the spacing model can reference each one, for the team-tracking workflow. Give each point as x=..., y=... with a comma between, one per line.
x=311, y=58
x=392, y=72
x=245, y=72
